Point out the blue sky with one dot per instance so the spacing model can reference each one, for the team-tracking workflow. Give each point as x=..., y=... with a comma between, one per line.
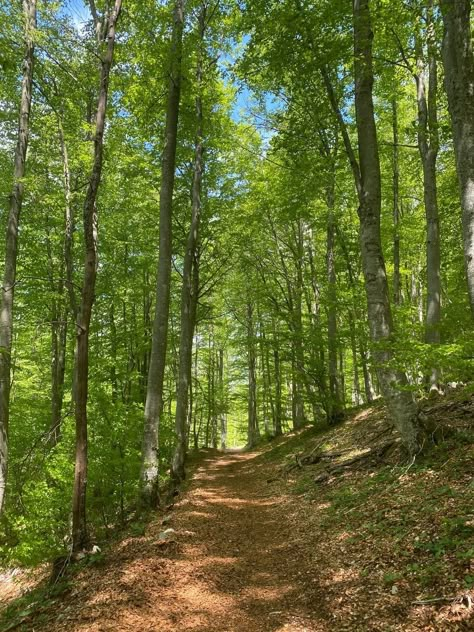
x=78, y=11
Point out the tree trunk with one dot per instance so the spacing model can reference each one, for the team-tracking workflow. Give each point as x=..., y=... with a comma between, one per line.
x=268, y=379
x=396, y=207
x=79, y=530
x=156, y=372
x=252, y=431
x=222, y=406
x=355, y=366
x=276, y=363
x=58, y=346
x=458, y=60
x=188, y=300
x=11, y=241
x=428, y=144
x=393, y=382
x=368, y=387
x=335, y=408
x=59, y=326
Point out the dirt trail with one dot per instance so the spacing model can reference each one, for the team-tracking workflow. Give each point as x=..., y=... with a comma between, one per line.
x=233, y=566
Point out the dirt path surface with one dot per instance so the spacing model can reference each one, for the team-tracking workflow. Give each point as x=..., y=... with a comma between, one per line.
x=232, y=567
x=245, y=555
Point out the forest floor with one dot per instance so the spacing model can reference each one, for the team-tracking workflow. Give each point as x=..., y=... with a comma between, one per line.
x=257, y=545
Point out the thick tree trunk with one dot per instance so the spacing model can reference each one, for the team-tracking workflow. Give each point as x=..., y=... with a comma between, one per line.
x=428, y=144
x=79, y=528
x=156, y=373
x=11, y=241
x=188, y=300
x=458, y=60
x=393, y=382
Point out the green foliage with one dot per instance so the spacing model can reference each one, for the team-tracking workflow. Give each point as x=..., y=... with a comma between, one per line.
x=276, y=181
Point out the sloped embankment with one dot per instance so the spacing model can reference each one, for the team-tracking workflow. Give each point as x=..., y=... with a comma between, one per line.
x=392, y=542
x=257, y=545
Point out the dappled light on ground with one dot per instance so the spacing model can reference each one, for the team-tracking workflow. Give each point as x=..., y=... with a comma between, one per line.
x=257, y=546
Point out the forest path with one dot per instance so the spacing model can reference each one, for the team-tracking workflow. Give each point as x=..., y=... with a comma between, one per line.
x=233, y=567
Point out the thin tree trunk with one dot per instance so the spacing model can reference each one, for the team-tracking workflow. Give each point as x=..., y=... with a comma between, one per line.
x=397, y=296
x=276, y=364
x=458, y=60
x=355, y=367
x=252, y=431
x=268, y=378
x=113, y=353
x=60, y=318
x=11, y=241
x=188, y=300
x=342, y=377
x=393, y=382
x=222, y=406
x=209, y=392
x=335, y=408
x=68, y=224
x=58, y=347
x=213, y=399
x=79, y=528
x=428, y=143
x=368, y=387
x=265, y=380
x=156, y=373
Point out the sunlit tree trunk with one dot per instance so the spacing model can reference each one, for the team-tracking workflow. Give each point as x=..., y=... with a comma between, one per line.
x=393, y=382
x=156, y=372
x=188, y=301
x=79, y=530
x=458, y=60
x=11, y=241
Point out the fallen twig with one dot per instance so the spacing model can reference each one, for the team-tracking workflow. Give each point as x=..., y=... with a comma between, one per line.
x=462, y=599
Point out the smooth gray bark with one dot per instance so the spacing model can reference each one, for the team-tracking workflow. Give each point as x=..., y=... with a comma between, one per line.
x=458, y=60
x=393, y=382
x=156, y=371
x=11, y=241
